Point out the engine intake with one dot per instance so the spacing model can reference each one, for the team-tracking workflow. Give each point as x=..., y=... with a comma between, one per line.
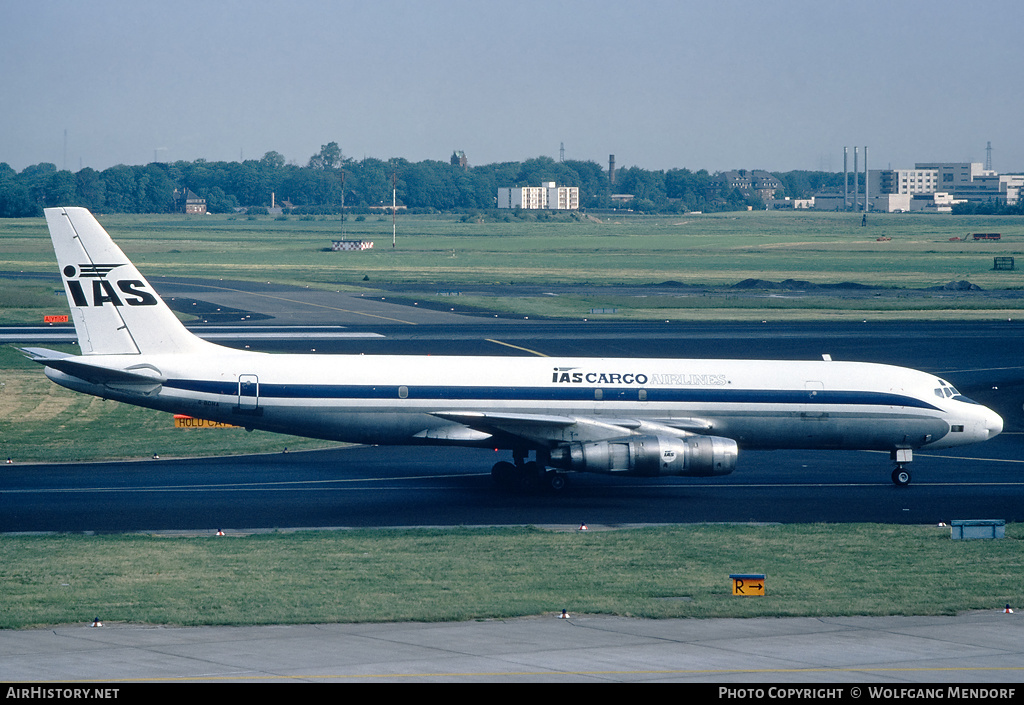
x=651, y=456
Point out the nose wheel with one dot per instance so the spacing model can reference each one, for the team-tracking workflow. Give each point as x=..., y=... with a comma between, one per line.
x=902, y=457
x=900, y=476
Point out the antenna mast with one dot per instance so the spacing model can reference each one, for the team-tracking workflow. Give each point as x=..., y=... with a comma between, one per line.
x=343, y=201
x=394, y=205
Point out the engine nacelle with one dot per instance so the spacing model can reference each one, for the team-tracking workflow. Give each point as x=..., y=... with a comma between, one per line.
x=651, y=456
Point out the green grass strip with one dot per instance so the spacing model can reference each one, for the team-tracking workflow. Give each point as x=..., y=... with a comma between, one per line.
x=492, y=573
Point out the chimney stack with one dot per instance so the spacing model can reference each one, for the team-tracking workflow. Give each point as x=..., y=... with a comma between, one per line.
x=856, y=182
x=867, y=203
x=846, y=179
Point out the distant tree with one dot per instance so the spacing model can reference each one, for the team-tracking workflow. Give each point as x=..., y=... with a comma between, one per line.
x=643, y=184
x=16, y=201
x=690, y=188
x=120, y=189
x=371, y=182
x=272, y=160
x=154, y=189
x=246, y=183
x=329, y=157
x=60, y=189
x=90, y=189
x=219, y=202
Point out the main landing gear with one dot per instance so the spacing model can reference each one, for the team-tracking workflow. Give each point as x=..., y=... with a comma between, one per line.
x=902, y=457
x=526, y=476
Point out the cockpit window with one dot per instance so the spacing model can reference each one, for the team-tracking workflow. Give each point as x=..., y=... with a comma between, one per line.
x=946, y=390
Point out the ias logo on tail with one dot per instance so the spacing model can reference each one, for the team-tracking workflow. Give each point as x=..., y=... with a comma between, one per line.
x=132, y=291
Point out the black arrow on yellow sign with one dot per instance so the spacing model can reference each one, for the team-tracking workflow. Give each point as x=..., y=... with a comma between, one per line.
x=748, y=584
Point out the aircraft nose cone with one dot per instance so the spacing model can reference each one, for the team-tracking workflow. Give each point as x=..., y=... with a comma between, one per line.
x=993, y=423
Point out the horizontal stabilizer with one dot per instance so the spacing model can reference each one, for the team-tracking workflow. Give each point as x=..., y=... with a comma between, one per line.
x=92, y=372
x=40, y=354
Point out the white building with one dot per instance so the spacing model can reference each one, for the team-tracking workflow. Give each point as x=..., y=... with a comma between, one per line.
x=962, y=181
x=938, y=202
x=547, y=196
x=903, y=181
x=787, y=203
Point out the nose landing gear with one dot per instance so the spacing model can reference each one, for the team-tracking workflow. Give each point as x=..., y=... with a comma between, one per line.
x=902, y=457
x=901, y=476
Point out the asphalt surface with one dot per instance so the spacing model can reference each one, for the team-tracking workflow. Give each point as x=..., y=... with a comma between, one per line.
x=378, y=486
x=838, y=656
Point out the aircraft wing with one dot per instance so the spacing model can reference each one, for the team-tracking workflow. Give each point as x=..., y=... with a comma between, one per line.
x=552, y=429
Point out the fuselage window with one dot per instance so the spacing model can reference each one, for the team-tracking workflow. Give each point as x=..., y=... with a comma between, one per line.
x=403, y=392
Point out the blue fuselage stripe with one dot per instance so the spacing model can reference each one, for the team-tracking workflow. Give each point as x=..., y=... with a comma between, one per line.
x=556, y=393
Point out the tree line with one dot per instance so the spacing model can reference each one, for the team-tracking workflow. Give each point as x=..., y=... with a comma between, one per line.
x=330, y=181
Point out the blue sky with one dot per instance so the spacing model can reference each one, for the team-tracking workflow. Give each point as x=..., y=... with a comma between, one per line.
x=660, y=84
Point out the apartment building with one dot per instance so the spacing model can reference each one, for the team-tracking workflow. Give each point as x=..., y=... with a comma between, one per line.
x=548, y=196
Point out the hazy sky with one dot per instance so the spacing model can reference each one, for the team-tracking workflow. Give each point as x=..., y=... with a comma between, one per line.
x=659, y=83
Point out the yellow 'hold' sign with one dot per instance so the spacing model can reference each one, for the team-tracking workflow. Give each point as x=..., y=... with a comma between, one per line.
x=182, y=421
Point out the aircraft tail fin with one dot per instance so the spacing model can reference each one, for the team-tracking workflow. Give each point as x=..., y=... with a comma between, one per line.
x=114, y=308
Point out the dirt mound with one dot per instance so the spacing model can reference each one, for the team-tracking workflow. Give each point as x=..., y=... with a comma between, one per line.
x=794, y=284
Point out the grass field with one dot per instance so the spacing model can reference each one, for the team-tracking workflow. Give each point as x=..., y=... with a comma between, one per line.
x=718, y=249
x=464, y=574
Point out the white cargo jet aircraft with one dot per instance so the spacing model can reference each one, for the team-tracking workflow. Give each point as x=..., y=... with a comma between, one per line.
x=621, y=416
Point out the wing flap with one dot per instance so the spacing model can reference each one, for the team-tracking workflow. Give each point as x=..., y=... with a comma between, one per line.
x=455, y=433
x=551, y=429
x=540, y=429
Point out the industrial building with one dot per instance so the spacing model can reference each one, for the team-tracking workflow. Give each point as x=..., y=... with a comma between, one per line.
x=958, y=181
x=547, y=196
x=930, y=187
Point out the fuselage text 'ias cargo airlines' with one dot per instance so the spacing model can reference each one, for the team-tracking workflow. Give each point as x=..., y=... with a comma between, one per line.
x=621, y=416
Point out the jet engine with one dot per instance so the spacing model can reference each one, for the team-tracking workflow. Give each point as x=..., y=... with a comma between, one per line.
x=651, y=456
